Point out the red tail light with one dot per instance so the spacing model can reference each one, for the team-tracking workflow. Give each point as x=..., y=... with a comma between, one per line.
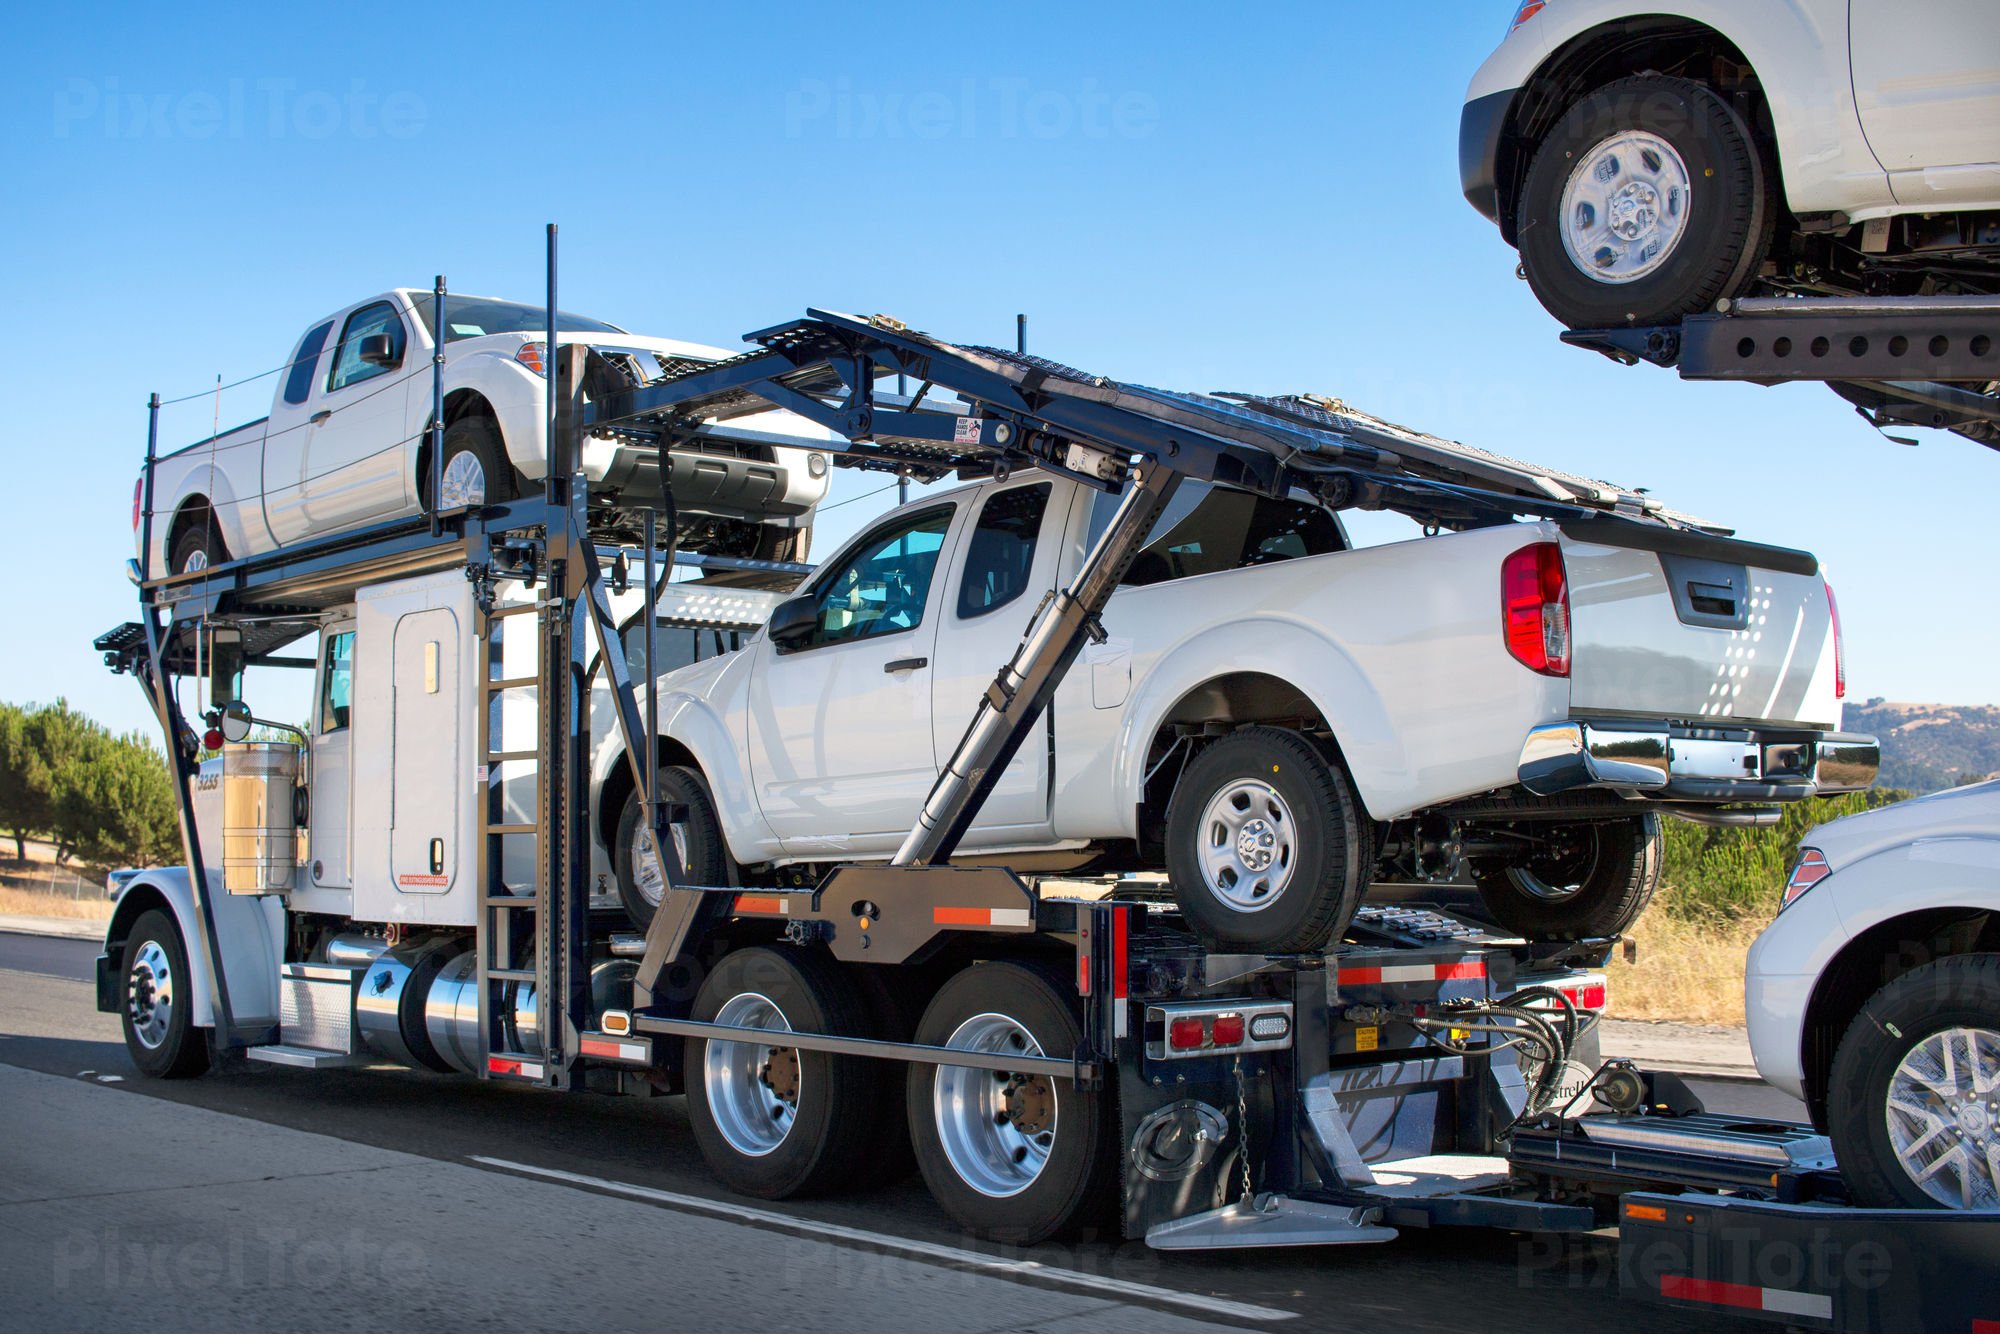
x=1186, y=1034
x=1807, y=871
x=1839, y=654
x=1228, y=1030
x=1534, y=599
x=138, y=494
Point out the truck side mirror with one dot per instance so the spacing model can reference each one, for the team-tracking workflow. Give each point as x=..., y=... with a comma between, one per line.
x=794, y=622
x=377, y=349
x=236, y=721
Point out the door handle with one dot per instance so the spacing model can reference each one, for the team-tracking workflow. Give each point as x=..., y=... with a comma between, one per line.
x=437, y=856
x=320, y=416
x=905, y=665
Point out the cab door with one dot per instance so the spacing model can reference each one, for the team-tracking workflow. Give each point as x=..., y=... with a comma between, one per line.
x=1927, y=85
x=428, y=768
x=839, y=727
x=330, y=819
x=359, y=446
x=1003, y=565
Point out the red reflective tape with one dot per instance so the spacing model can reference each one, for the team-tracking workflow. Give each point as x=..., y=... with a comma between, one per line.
x=962, y=916
x=1738, y=1295
x=600, y=1047
x=1986, y=1327
x=1121, y=942
x=759, y=903
x=497, y=1066
x=1360, y=976
x=1083, y=952
x=1452, y=972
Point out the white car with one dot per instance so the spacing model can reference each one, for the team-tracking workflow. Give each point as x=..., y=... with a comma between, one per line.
x=1273, y=716
x=347, y=442
x=1875, y=996
x=1647, y=159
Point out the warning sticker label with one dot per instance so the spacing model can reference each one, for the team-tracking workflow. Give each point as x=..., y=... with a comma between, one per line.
x=424, y=881
x=966, y=432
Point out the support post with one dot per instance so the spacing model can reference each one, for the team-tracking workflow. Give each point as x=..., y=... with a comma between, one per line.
x=1024, y=686
x=146, y=489
x=551, y=481
x=437, y=405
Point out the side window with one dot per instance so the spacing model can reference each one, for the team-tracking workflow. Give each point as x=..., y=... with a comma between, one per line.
x=1001, y=553
x=881, y=587
x=1207, y=528
x=298, y=385
x=679, y=645
x=337, y=682
x=348, y=367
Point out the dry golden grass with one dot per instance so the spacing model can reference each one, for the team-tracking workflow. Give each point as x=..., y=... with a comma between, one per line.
x=29, y=903
x=1687, y=972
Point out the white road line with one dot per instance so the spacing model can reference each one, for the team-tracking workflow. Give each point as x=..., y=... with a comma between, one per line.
x=1089, y=1283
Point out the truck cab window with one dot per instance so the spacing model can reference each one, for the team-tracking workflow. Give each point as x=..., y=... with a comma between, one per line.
x=1208, y=528
x=336, y=682
x=1001, y=553
x=348, y=367
x=881, y=587
x=298, y=384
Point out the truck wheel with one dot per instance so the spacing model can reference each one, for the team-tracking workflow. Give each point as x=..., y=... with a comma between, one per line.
x=1264, y=843
x=1020, y=1157
x=199, y=547
x=477, y=470
x=774, y=1121
x=159, y=1001
x=1584, y=882
x=775, y=543
x=1646, y=202
x=1916, y=1121
x=704, y=858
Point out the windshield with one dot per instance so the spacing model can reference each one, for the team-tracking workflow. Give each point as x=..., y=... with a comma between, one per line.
x=476, y=316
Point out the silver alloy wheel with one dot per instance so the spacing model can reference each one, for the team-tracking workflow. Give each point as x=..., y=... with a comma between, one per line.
x=149, y=995
x=752, y=1089
x=1943, y=1115
x=997, y=1129
x=464, y=481
x=1248, y=845
x=197, y=560
x=646, y=868
x=1625, y=207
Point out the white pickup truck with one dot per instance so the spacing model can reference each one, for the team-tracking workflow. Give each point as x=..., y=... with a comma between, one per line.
x=1274, y=718
x=347, y=441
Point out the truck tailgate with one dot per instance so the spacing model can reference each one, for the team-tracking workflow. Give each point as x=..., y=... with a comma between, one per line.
x=1668, y=624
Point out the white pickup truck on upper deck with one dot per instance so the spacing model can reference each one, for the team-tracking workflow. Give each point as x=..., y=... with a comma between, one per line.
x=347, y=441
x=1274, y=717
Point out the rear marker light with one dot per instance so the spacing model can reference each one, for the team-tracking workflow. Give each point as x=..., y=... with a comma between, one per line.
x=1186, y=1034
x=1807, y=871
x=138, y=493
x=1269, y=1027
x=1526, y=12
x=1534, y=608
x=1229, y=1030
x=1590, y=997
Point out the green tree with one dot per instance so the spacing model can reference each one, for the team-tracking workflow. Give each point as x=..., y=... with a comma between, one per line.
x=24, y=780
x=1718, y=872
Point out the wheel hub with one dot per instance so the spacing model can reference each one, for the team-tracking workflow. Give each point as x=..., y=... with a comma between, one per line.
x=1030, y=1104
x=780, y=1074
x=997, y=1128
x=149, y=995
x=1625, y=207
x=1943, y=1111
x=1248, y=845
x=752, y=1089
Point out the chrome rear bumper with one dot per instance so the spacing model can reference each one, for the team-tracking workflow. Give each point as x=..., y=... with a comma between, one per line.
x=1686, y=762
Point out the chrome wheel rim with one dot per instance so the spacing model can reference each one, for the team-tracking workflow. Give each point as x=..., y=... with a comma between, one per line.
x=997, y=1129
x=1943, y=1115
x=464, y=481
x=149, y=995
x=1248, y=845
x=752, y=1089
x=646, y=877
x=1625, y=207
x=197, y=560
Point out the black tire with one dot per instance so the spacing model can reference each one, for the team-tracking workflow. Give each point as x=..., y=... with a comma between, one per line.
x=198, y=547
x=1590, y=882
x=174, y=1048
x=1958, y=993
x=706, y=859
x=833, y=1099
x=1077, y=1183
x=477, y=440
x=776, y=543
x=1730, y=212
x=1318, y=875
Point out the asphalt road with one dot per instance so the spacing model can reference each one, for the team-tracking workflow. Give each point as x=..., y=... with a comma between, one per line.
x=301, y=1198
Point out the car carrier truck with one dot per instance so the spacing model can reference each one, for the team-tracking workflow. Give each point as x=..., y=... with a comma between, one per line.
x=1059, y=1056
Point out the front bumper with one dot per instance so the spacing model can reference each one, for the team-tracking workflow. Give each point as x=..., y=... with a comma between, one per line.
x=1688, y=762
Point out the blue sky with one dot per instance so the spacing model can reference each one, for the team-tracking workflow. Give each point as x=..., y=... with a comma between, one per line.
x=1254, y=198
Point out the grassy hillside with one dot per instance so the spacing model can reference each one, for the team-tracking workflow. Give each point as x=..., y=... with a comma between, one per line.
x=1930, y=746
